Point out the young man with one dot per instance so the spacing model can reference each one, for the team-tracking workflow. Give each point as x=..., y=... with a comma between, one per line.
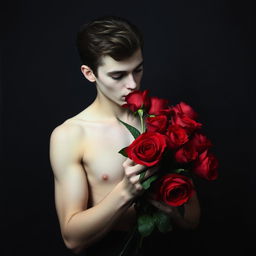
x=95, y=186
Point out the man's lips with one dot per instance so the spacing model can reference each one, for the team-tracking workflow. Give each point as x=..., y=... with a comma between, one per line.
x=126, y=94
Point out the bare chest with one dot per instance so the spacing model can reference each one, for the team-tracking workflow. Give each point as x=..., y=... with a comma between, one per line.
x=101, y=155
x=101, y=160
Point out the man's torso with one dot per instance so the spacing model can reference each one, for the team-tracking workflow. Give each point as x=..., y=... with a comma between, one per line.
x=101, y=161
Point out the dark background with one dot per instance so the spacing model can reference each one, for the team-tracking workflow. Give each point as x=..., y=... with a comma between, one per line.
x=200, y=52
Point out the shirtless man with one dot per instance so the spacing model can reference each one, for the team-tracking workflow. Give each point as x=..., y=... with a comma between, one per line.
x=95, y=186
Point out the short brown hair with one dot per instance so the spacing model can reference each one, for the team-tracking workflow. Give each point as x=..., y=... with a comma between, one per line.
x=107, y=35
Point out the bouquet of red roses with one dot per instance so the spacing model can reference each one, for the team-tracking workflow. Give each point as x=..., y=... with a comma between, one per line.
x=170, y=134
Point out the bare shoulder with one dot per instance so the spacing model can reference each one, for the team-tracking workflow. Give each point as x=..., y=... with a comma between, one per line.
x=66, y=145
x=68, y=130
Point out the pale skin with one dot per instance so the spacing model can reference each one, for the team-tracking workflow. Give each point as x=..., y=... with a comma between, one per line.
x=95, y=186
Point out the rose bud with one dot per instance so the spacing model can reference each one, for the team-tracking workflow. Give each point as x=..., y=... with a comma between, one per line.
x=200, y=142
x=159, y=106
x=186, y=122
x=157, y=123
x=137, y=100
x=177, y=136
x=206, y=166
x=187, y=153
x=183, y=108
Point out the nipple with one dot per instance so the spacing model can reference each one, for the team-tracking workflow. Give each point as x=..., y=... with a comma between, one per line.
x=105, y=177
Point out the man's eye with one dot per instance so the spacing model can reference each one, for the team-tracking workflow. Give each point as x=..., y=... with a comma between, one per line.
x=121, y=76
x=117, y=77
x=138, y=70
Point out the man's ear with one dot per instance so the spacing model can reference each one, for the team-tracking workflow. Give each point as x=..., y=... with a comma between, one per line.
x=88, y=73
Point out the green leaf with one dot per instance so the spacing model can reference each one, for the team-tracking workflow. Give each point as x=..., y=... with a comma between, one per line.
x=123, y=152
x=134, y=131
x=162, y=221
x=178, y=170
x=184, y=172
x=146, y=224
x=146, y=184
x=142, y=175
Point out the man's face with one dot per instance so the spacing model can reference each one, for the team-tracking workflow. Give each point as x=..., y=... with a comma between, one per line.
x=116, y=79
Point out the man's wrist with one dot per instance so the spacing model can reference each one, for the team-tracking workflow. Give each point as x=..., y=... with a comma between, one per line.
x=126, y=199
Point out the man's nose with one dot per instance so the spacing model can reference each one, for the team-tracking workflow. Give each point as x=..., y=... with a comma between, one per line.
x=131, y=83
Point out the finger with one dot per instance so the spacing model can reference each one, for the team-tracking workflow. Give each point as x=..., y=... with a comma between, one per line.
x=135, y=179
x=154, y=202
x=161, y=206
x=135, y=170
x=139, y=188
x=150, y=172
x=129, y=162
x=139, y=168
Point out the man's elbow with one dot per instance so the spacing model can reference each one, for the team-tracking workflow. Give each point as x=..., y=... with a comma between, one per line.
x=73, y=245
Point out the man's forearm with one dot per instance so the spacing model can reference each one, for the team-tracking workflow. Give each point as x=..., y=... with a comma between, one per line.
x=86, y=227
x=190, y=220
x=184, y=223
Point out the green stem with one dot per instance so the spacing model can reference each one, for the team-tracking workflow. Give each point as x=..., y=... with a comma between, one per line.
x=142, y=175
x=143, y=129
x=141, y=114
x=139, y=245
x=141, y=241
x=144, y=126
x=128, y=241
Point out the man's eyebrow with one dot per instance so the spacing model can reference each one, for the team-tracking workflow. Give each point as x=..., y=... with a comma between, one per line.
x=123, y=71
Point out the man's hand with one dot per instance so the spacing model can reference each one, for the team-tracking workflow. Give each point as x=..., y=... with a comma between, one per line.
x=131, y=181
x=170, y=210
x=191, y=217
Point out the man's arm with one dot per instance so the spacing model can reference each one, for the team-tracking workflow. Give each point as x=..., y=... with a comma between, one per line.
x=192, y=212
x=79, y=225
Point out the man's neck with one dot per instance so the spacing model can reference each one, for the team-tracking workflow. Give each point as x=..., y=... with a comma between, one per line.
x=109, y=111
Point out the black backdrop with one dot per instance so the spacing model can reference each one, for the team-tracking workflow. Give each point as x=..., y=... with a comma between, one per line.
x=200, y=52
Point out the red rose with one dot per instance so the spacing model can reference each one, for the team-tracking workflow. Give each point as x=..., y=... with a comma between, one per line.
x=183, y=108
x=200, y=142
x=186, y=154
x=173, y=189
x=136, y=100
x=148, y=148
x=159, y=106
x=177, y=136
x=186, y=122
x=206, y=166
x=190, y=151
x=157, y=123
